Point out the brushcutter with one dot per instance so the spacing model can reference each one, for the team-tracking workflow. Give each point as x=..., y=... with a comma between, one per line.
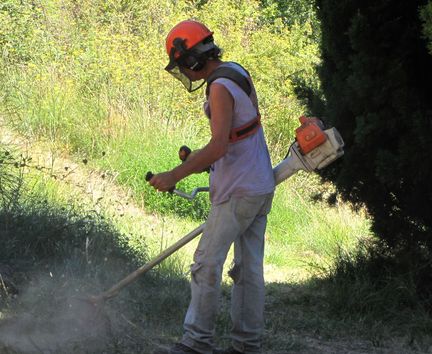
x=313, y=149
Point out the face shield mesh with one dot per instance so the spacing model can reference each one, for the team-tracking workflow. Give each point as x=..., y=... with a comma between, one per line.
x=190, y=85
x=187, y=61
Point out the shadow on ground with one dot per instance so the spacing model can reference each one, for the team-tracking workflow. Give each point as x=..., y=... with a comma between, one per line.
x=52, y=257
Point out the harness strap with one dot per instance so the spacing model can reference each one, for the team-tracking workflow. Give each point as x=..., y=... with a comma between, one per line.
x=231, y=74
x=251, y=127
x=245, y=130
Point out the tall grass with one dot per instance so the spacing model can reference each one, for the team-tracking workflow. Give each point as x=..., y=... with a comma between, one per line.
x=300, y=231
x=130, y=143
x=306, y=232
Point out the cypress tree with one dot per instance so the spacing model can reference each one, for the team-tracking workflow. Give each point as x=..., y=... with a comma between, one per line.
x=377, y=82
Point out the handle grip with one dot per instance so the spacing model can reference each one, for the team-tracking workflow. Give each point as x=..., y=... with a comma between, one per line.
x=149, y=175
x=184, y=152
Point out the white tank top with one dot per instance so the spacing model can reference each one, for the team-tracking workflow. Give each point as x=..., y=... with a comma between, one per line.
x=245, y=170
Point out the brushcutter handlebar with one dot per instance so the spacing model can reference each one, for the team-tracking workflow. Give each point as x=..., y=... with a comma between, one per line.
x=192, y=195
x=149, y=176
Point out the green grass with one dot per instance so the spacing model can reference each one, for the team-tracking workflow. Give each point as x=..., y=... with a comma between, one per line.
x=127, y=143
x=300, y=231
x=46, y=244
x=148, y=146
x=310, y=232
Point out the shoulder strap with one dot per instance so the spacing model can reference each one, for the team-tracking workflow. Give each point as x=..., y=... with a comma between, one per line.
x=231, y=74
x=251, y=127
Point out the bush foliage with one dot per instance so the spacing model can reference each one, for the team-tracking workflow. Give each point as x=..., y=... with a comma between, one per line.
x=76, y=67
x=88, y=76
x=426, y=16
x=376, y=79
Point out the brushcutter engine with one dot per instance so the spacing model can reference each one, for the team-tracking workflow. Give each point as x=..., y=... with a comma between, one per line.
x=313, y=149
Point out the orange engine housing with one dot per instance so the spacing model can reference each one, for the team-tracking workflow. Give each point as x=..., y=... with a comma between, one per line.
x=309, y=135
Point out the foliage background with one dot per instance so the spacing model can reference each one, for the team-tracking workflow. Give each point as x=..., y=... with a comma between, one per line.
x=88, y=76
x=109, y=57
x=376, y=79
x=426, y=16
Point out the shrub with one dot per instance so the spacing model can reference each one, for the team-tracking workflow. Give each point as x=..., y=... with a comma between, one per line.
x=426, y=16
x=377, y=81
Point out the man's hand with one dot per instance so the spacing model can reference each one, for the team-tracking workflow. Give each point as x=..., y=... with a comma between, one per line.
x=163, y=182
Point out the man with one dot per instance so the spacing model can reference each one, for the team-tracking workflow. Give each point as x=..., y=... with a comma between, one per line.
x=241, y=192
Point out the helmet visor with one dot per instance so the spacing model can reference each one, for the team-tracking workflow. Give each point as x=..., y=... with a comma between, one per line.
x=175, y=70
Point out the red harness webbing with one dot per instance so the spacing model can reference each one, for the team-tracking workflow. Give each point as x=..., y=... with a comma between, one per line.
x=245, y=130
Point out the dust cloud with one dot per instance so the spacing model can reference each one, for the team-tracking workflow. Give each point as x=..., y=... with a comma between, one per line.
x=53, y=317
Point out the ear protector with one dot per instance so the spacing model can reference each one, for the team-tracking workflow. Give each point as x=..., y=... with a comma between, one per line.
x=188, y=57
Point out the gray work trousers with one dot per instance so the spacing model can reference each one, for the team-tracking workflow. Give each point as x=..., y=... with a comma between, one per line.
x=242, y=221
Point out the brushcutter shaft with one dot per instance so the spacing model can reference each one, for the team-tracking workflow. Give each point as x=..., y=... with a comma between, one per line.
x=149, y=265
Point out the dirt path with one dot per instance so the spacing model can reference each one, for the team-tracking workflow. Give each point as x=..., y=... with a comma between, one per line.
x=98, y=191
x=96, y=187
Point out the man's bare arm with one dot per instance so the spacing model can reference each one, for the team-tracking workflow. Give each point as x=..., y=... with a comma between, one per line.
x=221, y=107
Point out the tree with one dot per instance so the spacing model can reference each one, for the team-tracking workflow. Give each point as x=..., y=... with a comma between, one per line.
x=426, y=16
x=377, y=81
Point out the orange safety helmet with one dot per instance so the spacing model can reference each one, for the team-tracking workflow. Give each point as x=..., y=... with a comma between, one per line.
x=190, y=31
x=187, y=44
